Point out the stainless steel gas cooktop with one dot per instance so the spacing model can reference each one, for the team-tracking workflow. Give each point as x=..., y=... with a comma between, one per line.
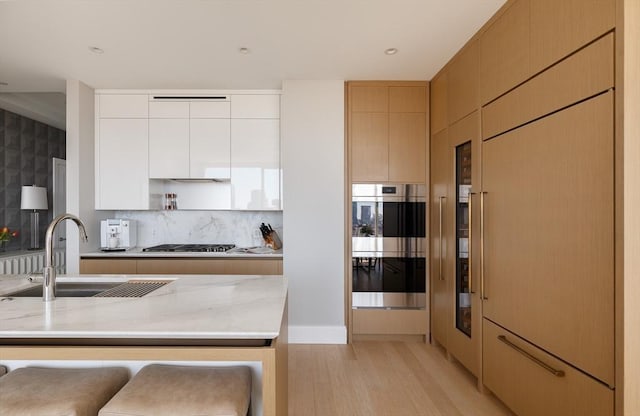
x=206, y=248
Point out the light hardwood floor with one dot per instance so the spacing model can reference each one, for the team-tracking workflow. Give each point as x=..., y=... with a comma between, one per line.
x=382, y=378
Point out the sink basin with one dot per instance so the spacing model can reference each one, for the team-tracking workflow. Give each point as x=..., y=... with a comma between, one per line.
x=68, y=290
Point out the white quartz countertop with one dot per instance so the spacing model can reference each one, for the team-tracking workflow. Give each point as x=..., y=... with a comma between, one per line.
x=195, y=307
x=235, y=253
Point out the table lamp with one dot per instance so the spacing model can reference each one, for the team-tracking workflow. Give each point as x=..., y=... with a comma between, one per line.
x=34, y=198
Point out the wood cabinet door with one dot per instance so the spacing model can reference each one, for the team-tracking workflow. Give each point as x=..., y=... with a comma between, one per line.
x=504, y=52
x=368, y=98
x=465, y=347
x=169, y=148
x=561, y=27
x=438, y=103
x=122, y=168
x=514, y=370
x=108, y=266
x=408, y=99
x=440, y=276
x=369, y=147
x=407, y=147
x=549, y=234
x=209, y=266
x=463, y=84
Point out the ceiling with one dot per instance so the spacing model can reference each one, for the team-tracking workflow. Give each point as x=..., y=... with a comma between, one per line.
x=186, y=44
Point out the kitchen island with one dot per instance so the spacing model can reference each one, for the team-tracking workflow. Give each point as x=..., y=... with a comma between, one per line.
x=199, y=319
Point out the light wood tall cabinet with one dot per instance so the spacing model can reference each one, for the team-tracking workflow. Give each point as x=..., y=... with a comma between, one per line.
x=387, y=130
x=439, y=224
x=465, y=329
x=543, y=254
x=456, y=322
x=455, y=179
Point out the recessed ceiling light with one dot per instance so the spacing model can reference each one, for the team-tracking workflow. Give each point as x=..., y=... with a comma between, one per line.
x=243, y=51
x=391, y=51
x=96, y=50
x=4, y=84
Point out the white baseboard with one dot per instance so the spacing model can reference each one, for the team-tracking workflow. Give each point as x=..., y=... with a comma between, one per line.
x=317, y=334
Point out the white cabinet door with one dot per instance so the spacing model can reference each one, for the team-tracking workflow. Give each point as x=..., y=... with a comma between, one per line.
x=210, y=109
x=210, y=148
x=123, y=106
x=122, y=165
x=255, y=164
x=169, y=148
x=168, y=109
x=255, y=106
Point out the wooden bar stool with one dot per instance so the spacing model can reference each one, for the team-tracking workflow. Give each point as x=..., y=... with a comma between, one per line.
x=38, y=391
x=169, y=390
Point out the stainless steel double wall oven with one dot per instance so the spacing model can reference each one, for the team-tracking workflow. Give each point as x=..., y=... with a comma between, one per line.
x=388, y=246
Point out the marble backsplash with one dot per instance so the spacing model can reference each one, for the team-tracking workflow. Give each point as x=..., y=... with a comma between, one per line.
x=202, y=227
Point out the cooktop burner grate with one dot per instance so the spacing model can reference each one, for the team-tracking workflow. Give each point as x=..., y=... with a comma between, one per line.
x=206, y=248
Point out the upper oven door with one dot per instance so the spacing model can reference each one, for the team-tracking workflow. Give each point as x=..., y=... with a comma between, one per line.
x=388, y=220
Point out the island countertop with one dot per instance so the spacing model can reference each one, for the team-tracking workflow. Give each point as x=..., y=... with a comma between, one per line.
x=190, y=307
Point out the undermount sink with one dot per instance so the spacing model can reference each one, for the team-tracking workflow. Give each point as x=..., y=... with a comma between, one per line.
x=129, y=289
x=68, y=290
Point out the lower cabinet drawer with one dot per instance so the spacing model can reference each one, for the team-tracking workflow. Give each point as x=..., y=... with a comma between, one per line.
x=389, y=322
x=532, y=383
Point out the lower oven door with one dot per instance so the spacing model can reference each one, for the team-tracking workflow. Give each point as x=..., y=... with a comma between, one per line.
x=389, y=282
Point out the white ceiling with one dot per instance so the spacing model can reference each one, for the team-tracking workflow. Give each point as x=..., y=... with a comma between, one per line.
x=194, y=43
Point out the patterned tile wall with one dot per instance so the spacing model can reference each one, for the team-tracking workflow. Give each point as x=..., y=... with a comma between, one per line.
x=26, y=151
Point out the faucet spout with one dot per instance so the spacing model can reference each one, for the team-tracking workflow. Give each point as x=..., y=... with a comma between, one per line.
x=49, y=272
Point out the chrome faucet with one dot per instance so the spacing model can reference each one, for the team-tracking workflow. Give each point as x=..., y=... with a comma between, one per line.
x=49, y=272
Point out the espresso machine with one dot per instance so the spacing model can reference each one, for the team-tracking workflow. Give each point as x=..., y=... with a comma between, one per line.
x=117, y=234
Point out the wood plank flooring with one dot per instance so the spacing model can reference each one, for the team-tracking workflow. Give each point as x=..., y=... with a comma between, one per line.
x=377, y=378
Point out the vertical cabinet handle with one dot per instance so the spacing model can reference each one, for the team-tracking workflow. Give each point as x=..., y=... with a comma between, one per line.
x=440, y=199
x=469, y=241
x=482, y=285
x=555, y=372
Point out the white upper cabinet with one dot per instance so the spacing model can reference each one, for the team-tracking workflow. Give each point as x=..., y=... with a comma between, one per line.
x=210, y=148
x=123, y=106
x=189, y=140
x=255, y=106
x=168, y=109
x=142, y=139
x=210, y=109
x=255, y=152
x=122, y=176
x=121, y=149
x=169, y=148
x=255, y=164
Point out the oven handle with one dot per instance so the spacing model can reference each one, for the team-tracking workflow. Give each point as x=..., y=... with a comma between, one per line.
x=440, y=199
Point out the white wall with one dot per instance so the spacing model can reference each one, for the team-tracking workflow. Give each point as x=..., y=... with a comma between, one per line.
x=313, y=212
x=81, y=172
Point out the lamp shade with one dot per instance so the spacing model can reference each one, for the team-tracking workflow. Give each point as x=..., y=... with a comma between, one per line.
x=33, y=197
